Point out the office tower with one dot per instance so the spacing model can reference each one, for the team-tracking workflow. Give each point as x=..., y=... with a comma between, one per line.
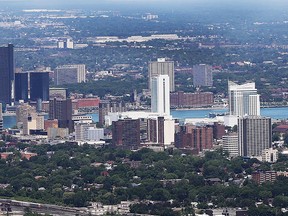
x=254, y=135
x=160, y=131
x=22, y=112
x=61, y=110
x=161, y=67
x=243, y=99
x=86, y=131
x=230, y=144
x=202, y=75
x=60, y=93
x=1, y=118
x=106, y=106
x=160, y=95
x=126, y=133
x=187, y=99
x=21, y=86
x=6, y=74
x=39, y=86
x=67, y=74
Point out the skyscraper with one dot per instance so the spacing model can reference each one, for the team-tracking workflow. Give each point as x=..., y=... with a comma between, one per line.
x=160, y=95
x=202, y=75
x=243, y=99
x=6, y=74
x=39, y=86
x=21, y=86
x=161, y=67
x=70, y=74
x=61, y=110
x=254, y=135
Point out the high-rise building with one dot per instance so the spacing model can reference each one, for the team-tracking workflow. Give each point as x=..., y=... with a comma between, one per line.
x=187, y=99
x=21, y=86
x=126, y=133
x=39, y=86
x=67, y=74
x=230, y=144
x=86, y=131
x=254, y=135
x=22, y=112
x=33, y=122
x=160, y=131
x=161, y=67
x=60, y=93
x=6, y=74
x=202, y=75
x=160, y=95
x=243, y=99
x=61, y=110
x=1, y=118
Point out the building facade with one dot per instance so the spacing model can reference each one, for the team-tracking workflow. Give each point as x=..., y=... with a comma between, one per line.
x=161, y=67
x=126, y=133
x=202, y=75
x=106, y=106
x=21, y=86
x=230, y=144
x=254, y=135
x=186, y=100
x=62, y=111
x=160, y=95
x=67, y=74
x=6, y=74
x=39, y=86
x=243, y=99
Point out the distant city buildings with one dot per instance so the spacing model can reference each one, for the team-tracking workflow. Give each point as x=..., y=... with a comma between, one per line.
x=88, y=132
x=60, y=93
x=188, y=100
x=106, y=106
x=39, y=86
x=230, y=144
x=202, y=75
x=161, y=67
x=62, y=111
x=254, y=135
x=65, y=44
x=68, y=74
x=21, y=86
x=160, y=95
x=243, y=99
x=6, y=74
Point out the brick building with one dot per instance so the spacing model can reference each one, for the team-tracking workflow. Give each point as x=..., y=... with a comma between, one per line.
x=263, y=176
x=183, y=100
x=190, y=136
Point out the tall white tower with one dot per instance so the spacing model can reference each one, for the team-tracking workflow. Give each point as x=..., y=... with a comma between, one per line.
x=160, y=95
x=243, y=99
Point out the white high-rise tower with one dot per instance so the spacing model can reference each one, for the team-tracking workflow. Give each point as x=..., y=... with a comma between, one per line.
x=160, y=95
x=243, y=99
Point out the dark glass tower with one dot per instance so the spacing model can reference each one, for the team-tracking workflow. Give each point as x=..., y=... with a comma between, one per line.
x=6, y=73
x=21, y=86
x=39, y=86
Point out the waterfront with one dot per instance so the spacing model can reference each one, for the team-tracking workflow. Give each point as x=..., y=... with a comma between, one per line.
x=275, y=113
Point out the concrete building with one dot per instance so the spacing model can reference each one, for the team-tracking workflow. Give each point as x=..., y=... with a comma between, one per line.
x=54, y=133
x=202, y=75
x=61, y=110
x=161, y=67
x=186, y=100
x=230, y=144
x=243, y=99
x=88, y=131
x=126, y=133
x=6, y=74
x=270, y=155
x=33, y=122
x=254, y=135
x=65, y=44
x=60, y=93
x=160, y=95
x=67, y=74
x=22, y=112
